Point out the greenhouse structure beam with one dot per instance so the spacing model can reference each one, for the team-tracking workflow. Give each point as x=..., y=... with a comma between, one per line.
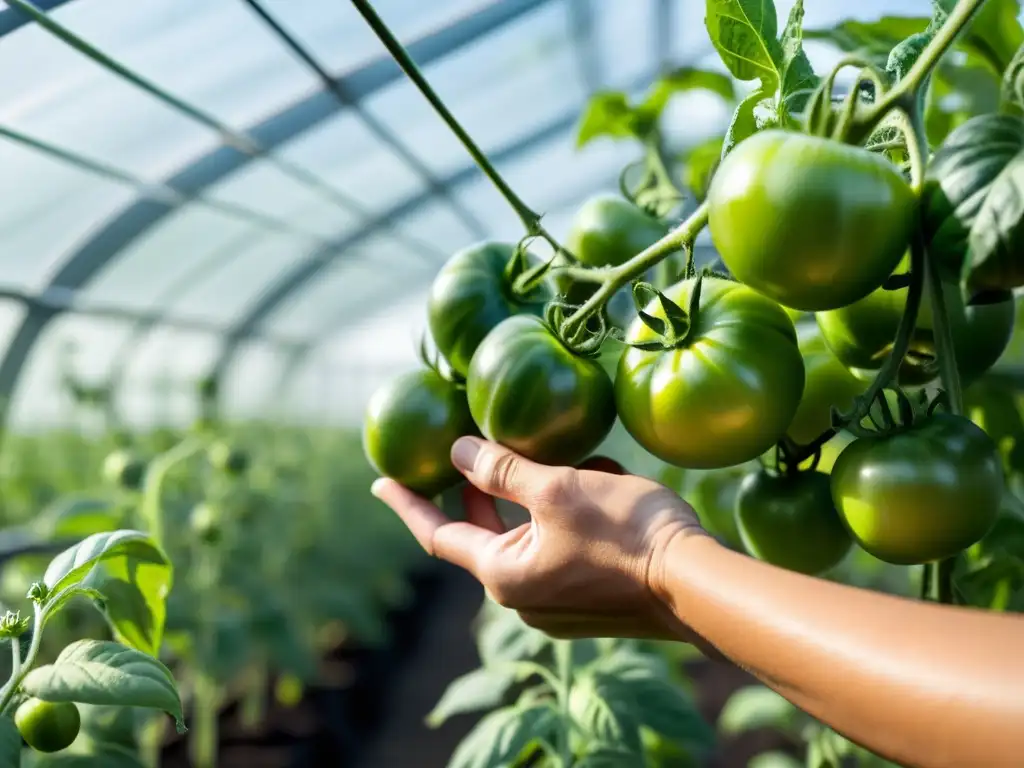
x=412, y=161
x=302, y=273
x=135, y=220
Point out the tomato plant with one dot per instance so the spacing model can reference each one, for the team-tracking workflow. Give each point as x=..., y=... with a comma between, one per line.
x=471, y=294
x=722, y=392
x=821, y=244
x=411, y=423
x=789, y=520
x=528, y=391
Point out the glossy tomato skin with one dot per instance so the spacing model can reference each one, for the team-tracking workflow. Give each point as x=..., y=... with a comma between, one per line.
x=790, y=521
x=470, y=295
x=828, y=383
x=922, y=493
x=861, y=334
x=810, y=222
x=48, y=726
x=529, y=392
x=609, y=230
x=723, y=397
x=410, y=425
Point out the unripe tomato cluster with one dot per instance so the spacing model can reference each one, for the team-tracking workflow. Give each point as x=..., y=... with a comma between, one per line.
x=803, y=224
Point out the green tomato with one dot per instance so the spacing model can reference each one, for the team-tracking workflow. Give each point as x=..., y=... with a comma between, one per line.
x=726, y=393
x=828, y=383
x=790, y=521
x=530, y=392
x=609, y=230
x=861, y=335
x=124, y=469
x=471, y=295
x=920, y=493
x=48, y=726
x=813, y=223
x=714, y=499
x=227, y=459
x=206, y=522
x=410, y=425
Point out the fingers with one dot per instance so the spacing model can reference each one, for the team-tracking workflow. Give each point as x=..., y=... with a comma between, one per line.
x=458, y=543
x=500, y=472
x=481, y=510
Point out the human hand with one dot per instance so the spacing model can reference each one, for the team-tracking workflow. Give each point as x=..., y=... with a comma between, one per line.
x=588, y=564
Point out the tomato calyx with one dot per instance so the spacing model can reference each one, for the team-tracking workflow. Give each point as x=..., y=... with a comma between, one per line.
x=675, y=330
x=523, y=278
x=589, y=339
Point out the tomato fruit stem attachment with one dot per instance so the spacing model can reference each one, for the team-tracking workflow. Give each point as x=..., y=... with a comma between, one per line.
x=530, y=219
x=680, y=238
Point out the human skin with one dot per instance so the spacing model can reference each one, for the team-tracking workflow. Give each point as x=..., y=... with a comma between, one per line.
x=607, y=554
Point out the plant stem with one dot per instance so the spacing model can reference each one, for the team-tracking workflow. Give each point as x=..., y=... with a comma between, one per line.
x=151, y=507
x=563, y=656
x=903, y=93
x=7, y=692
x=203, y=744
x=926, y=580
x=530, y=219
x=942, y=591
x=681, y=237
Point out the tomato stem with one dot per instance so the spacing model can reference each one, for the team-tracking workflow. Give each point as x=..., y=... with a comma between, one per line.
x=530, y=219
x=24, y=666
x=563, y=655
x=680, y=238
x=905, y=91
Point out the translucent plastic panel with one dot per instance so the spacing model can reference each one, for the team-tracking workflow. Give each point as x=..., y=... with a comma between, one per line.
x=38, y=399
x=57, y=94
x=46, y=208
x=624, y=36
x=338, y=36
x=180, y=254
x=262, y=187
x=248, y=384
x=345, y=152
x=500, y=88
x=218, y=56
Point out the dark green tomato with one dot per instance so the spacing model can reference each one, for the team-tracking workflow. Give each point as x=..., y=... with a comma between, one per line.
x=714, y=499
x=922, y=493
x=828, y=383
x=124, y=469
x=810, y=222
x=861, y=334
x=410, y=425
x=229, y=460
x=529, y=392
x=48, y=726
x=471, y=295
x=609, y=230
x=727, y=393
x=790, y=521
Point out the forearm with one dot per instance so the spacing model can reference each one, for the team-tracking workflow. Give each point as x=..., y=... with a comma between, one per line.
x=923, y=685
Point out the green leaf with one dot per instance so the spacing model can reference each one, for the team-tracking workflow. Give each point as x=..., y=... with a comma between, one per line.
x=640, y=687
x=744, y=34
x=607, y=114
x=502, y=736
x=610, y=756
x=685, y=79
x=1011, y=95
x=10, y=743
x=873, y=40
x=700, y=164
x=505, y=637
x=104, y=672
x=974, y=203
x=774, y=760
x=756, y=707
x=109, y=724
x=744, y=121
x=603, y=721
x=483, y=688
x=132, y=574
x=995, y=34
x=797, y=72
x=88, y=755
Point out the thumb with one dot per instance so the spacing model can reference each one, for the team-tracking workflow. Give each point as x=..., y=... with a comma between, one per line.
x=498, y=471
